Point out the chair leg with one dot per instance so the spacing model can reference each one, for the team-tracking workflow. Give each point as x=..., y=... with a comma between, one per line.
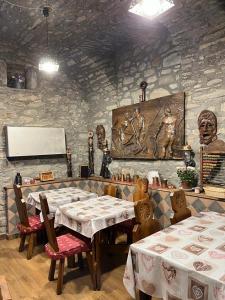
x=129, y=238
x=32, y=241
x=60, y=276
x=80, y=260
x=52, y=270
x=90, y=266
x=71, y=261
x=22, y=242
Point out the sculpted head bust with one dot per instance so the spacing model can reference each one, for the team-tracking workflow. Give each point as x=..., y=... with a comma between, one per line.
x=207, y=125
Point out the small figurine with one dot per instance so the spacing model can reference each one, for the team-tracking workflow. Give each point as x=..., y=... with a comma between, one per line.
x=189, y=156
x=143, y=86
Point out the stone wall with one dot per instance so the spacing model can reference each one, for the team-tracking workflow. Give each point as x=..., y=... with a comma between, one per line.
x=56, y=102
x=190, y=58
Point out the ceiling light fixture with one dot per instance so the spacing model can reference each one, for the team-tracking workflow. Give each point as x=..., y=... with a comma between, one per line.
x=150, y=8
x=47, y=63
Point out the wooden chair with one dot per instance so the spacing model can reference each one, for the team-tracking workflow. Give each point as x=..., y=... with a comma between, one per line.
x=61, y=247
x=28, y=226
x=141, y=193
x=110, y=190
x=179, y=206
x=145, y=224
x=141, y=190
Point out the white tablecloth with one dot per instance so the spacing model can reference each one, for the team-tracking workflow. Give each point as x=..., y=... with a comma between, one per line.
x=89, y=217
x=182, y=262
x=59, y=197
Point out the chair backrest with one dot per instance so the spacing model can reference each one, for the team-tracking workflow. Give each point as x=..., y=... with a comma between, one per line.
x=141, y=190
x=21, y=206
x=179, y=206
x=144, y=218
x=49, y=222
x=110, y=190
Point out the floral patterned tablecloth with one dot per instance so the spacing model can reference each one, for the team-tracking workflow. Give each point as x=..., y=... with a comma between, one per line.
x=89, y=217
x=182, y=262
x=59, y=197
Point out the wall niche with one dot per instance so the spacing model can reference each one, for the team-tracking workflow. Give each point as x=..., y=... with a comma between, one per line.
x=21, y=77
x=16, y=76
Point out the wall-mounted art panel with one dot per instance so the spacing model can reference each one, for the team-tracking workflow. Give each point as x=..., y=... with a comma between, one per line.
x=149, y=130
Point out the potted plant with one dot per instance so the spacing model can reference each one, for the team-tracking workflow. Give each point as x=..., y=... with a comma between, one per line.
x=188, y=176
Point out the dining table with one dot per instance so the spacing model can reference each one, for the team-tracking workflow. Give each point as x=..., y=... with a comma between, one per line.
x=185, y=261
x=89, y=218
x=57, y=197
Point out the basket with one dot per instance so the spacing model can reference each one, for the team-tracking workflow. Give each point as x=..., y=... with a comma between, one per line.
x=214, y=191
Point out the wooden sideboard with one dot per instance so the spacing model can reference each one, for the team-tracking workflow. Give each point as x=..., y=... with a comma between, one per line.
x=161, y=198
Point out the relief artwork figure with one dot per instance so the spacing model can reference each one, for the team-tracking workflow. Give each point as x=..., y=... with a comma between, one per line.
x=167, y=131
x=132, y=131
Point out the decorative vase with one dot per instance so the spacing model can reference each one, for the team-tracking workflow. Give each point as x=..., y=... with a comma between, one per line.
x=186, y=185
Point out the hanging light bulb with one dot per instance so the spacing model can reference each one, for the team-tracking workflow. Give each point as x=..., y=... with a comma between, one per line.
x=47, y=63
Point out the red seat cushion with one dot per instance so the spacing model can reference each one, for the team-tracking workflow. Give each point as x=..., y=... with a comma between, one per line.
x=68, y=245
x=35, y=225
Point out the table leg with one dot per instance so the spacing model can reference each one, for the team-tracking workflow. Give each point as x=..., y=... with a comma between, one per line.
x=143, y=296
x=96, y=261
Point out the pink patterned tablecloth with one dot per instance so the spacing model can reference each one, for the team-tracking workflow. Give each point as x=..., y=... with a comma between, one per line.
x=185, y=261
x=90, y=216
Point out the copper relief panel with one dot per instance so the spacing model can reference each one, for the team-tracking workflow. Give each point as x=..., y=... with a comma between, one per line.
x=149, y=130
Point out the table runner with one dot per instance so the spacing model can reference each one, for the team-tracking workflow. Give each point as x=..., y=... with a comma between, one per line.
x=59, y=197
x=91, y=216
x=182, y=262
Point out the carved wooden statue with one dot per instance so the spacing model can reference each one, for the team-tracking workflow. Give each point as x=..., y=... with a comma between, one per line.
x=69, y=162
x=141, y=192
x=207, y=125
x=106, y=161
x=145, y=224
x=179, y=206
x=90, y=153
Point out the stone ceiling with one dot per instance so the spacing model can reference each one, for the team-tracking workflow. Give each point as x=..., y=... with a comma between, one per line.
x=79, y=28
x=98, y=26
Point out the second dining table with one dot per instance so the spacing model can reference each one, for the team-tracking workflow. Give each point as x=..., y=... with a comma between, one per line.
x=185, y=261
x=90, y=217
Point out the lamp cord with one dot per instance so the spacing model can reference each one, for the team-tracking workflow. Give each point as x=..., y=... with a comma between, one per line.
x=20, y=6
x=47, y=31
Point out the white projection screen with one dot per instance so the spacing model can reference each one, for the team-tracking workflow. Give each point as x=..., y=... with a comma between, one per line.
x=34, y=141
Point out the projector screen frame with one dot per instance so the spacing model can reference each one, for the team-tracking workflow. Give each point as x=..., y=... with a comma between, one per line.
x=53, y=137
